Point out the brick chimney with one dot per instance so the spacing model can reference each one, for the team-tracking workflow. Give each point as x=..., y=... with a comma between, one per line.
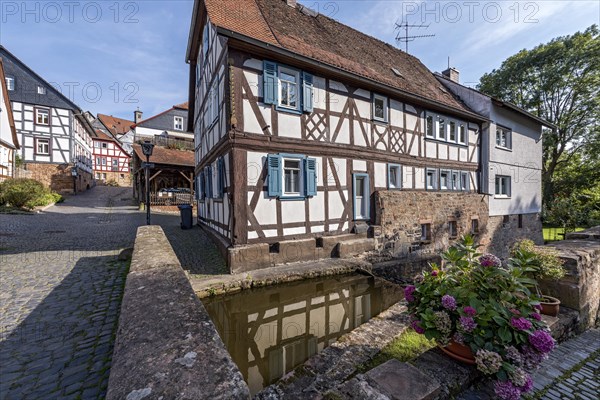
x=291, y=3
x=452, y=74
x=137, y=116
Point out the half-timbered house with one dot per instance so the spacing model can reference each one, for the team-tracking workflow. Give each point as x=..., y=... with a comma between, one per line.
x=9, y=142
x=308, y=132
x=111, y=161
x=55, y=136
x=167, y=128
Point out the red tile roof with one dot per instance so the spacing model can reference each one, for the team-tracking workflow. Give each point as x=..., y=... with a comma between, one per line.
x=183, y=106
x=117, y=126
x=325, y=40
x=103, y=135
x=162, y=155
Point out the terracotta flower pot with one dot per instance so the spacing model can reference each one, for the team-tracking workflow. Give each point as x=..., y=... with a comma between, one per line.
x=550, y=305
x=459, y=352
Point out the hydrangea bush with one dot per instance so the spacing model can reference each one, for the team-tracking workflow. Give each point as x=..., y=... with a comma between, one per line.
x=477, y=302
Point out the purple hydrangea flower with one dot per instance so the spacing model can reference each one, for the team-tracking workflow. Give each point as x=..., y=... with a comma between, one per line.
x=470, y=311
x=536, y=316
x=489, y=260
x=467, y=324
x=408, y=293
x=513, y=355
x=506, y=390
x=488, y=362
x=532, y=358
x=528, y=386
x=416, y=325
x=542, y=341
x=434, y=273
x=449, y=302
x=521, y=323
x=538, y=307
x=459, y=338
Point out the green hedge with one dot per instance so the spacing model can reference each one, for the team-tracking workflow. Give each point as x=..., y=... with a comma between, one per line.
x=26, y=193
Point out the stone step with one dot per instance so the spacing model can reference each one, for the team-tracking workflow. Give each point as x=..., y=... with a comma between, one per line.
x=354, y=247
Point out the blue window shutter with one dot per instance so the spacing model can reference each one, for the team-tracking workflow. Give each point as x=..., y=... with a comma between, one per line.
x=310, y=168
x=274, y=177
x=221, y=177
x=269, y=82
x=307, y=92
x=209, y=191
x=201, y=186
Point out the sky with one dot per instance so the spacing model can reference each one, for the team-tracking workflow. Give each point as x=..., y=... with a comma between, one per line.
x=114, y=56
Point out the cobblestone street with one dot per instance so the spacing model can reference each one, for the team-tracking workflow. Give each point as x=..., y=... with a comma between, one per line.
x=61, y=283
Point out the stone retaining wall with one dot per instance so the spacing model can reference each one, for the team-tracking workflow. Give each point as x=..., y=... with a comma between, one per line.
x=167, y=346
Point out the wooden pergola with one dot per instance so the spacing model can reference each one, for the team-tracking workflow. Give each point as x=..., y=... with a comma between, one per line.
x=171, y=169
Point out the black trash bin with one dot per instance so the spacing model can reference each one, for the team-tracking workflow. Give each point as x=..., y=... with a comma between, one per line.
x=187, y=220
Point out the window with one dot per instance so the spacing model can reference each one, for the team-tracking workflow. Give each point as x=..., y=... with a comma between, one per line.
x=441, y=128
x=205, y=42
x=361, y=198
x=104, y=145
x=10, y=83
x=41, y=90
x=115, y=164
x=380, y=108
x=474, y=226
x=394, y=176
x=464, y=181
x=503, y=137
x=42, y=146
x=452, y=131
x=462, y=134
x=178, y=123
x=292, y=175
x=429, y=126
x=211, y=111
x=287, y=88
x=445, y=180
x=425, y=232
x=221, y=178
x=452, y=229
x=431, y=182
x=502, y=186
x=42, y=116
x=455, y=183
x=97, y=145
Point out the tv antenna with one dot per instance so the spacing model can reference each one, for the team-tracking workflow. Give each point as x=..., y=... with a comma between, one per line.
x=405, y=37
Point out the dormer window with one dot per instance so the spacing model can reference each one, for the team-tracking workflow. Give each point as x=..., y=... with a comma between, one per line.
x=380, y=108
x=41, y=90
x=178, y=123
x=10, y=83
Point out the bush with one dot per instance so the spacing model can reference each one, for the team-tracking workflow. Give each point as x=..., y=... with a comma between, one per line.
x=544, y=262
x=26, y=193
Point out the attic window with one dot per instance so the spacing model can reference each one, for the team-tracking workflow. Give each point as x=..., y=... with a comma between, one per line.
x=397, y=73
x=41, y=90
x=10, y=83
x=307, y=11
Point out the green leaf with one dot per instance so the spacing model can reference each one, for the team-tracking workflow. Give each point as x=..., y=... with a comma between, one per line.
x=505, y=334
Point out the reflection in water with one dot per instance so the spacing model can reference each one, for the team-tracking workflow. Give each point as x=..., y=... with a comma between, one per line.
x=270, y=331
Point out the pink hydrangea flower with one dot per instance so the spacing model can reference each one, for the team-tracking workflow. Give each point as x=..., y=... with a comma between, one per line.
x=470, y=311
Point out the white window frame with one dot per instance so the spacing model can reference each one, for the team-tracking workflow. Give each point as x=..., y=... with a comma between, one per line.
x=448, y=175
x=37, y=115
x=434, y=173
x=466, y=176
x=507, y=133
x=398, y=183
x=44, y=142
x=450, y=124
x=465, y=130
x=41, y=90
x=455, y=181
x=385, y=107
x=178, y=123
x=300, y=169
x=430, y=123
x=441, y=127
x=502, y=186
x=10, y=83
x=288, y=71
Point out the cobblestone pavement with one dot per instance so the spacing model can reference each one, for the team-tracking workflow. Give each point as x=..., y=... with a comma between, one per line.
x=61, y=283
x=572, y=371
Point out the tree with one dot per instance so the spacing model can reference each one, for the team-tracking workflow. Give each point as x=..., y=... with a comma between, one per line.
x=560, y=82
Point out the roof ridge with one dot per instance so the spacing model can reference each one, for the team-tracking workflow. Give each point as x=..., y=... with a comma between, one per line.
x=267, y=23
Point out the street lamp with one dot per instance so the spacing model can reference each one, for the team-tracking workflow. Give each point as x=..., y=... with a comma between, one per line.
x=147, y=148
x=74, y=175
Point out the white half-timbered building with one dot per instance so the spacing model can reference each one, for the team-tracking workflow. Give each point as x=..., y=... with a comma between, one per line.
x=54, y=134
x=9, y=142
x=307, y=130
x=111, y=162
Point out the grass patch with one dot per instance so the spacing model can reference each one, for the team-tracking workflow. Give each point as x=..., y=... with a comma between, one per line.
x=407, y=346
x=555, y=234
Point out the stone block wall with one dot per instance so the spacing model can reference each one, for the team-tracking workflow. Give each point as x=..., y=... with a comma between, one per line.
x=504, y=231
x=123, y=181
x=57, y=177
x=401, y=213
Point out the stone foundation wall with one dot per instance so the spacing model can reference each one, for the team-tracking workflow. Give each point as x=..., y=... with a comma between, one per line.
x=116, y=177
x=503, y=232
x=401, y=213
x=57, y=177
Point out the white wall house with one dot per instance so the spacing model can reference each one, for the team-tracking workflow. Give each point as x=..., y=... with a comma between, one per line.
x=53, y=133
x=9, y=142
